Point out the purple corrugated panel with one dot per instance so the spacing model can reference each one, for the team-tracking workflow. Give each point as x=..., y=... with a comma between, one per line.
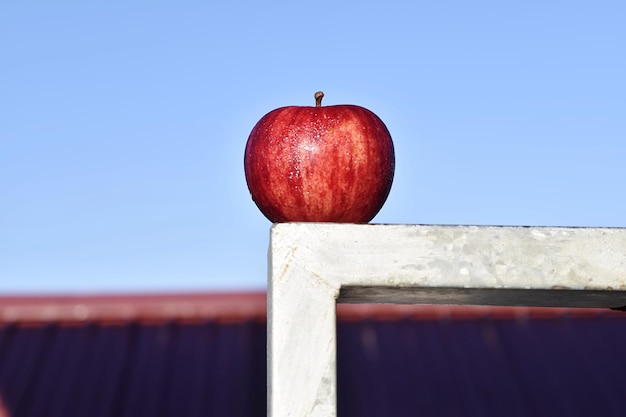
x=102, y=373
x=147, y=380
x=602, y=359
x=193, y=349
x=481, y=349
x=60, y=374
x=514, y=367
x=235, y=382
x=20, y=368
x=561, y=370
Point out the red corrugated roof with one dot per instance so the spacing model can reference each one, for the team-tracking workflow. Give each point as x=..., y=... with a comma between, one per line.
x=222, y=307
x=232, y=307
x=198, y=355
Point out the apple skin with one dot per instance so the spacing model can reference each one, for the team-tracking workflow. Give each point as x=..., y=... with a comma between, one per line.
x=319, y=164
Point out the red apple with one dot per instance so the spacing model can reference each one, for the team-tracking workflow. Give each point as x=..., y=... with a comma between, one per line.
x=319, y=164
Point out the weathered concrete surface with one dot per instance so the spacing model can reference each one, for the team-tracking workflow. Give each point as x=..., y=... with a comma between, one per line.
x=312, y=266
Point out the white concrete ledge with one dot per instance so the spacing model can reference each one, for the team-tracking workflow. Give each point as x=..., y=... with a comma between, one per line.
x=312, y=266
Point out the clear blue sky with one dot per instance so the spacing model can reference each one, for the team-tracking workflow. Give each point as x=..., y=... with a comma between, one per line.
x=123, y=125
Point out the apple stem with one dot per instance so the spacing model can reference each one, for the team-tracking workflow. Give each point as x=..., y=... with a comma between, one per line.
x=318, y=98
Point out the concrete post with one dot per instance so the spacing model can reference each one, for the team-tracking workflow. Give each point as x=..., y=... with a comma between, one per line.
x=312, y=266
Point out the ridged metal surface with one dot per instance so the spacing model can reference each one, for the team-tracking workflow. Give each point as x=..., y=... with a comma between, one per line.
x=408, y=361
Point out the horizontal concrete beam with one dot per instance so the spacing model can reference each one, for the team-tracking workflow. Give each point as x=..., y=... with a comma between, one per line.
x=312, y=266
